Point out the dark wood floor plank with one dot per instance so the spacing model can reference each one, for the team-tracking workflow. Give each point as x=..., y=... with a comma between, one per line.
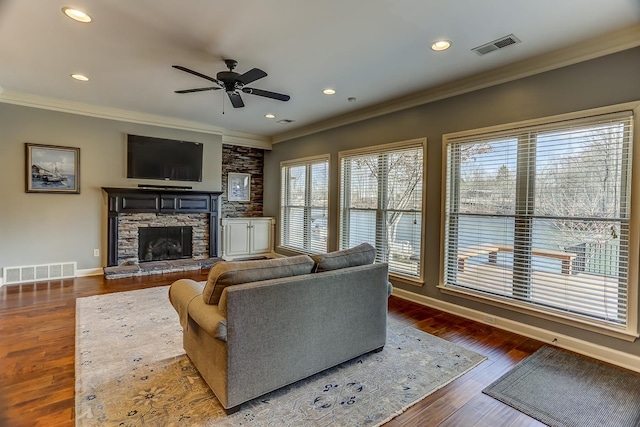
x=37, y=355
x=469, y=415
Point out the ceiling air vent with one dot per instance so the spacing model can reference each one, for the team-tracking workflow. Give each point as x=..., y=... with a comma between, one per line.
x=501, y=43
x=285, y=121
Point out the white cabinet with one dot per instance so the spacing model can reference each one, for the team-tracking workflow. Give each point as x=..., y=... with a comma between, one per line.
x=247, y=237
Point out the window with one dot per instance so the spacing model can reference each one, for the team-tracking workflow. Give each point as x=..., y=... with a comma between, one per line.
x=381, y=203
x=539, y=216
x=304, y=204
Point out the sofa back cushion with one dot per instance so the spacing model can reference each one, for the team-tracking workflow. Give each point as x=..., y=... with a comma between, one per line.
x=227, y=273
x=358, y=255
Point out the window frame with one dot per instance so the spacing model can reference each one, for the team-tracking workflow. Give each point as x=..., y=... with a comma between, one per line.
x=628, y=332
x=307, y=162
x=417, y=280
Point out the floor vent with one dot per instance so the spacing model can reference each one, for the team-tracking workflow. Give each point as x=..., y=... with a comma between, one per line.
x=501, y=43
x=35, y=273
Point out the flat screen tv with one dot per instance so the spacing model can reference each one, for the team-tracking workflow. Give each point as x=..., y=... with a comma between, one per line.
x=163, y=159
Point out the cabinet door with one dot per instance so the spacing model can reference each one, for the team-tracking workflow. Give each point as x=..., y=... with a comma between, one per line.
x=236, y=238
x=261, y=236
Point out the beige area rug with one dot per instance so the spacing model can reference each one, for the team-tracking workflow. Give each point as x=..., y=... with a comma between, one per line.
x=131, y=370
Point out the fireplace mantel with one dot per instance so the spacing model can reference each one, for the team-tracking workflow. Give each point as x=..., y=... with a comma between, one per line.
x=156, y=200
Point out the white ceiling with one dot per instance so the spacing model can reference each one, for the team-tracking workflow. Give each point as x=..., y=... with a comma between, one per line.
x=373, y=50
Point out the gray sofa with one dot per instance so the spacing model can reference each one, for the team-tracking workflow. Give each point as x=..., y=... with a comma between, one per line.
x=256, y=326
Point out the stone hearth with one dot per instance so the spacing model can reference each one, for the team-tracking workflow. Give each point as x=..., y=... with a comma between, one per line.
x=159, y=267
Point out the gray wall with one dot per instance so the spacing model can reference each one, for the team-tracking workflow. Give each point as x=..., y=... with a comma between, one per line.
x=600, y=82
x=38, y=228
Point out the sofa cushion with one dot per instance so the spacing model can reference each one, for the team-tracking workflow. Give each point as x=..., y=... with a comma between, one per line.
x=362, y=254
x=228, y=273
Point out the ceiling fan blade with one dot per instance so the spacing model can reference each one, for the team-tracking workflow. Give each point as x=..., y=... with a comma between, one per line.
x=252, y=75
x=200, y=89
x=235, y=99
x=266, y=94
x=195, y=73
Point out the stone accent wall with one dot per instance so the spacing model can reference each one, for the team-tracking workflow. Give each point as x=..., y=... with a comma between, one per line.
x=243, y=160
x=128, y=225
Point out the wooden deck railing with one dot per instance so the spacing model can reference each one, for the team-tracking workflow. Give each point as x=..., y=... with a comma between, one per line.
x=566, y=258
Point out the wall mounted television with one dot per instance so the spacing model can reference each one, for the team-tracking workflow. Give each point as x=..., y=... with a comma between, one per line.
x=163, y=159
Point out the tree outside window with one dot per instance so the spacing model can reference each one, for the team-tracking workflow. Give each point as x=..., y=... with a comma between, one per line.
x=381, y=203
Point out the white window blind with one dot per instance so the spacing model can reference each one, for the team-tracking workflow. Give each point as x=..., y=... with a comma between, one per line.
x=304, y=204
x=381, y=203
x=540, y=216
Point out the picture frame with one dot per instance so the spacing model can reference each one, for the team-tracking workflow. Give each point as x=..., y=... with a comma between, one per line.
x=238, y=187
x=52, y=169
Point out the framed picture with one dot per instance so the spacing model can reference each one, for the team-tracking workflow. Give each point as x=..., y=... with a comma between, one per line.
x=238, y=187
x=52, y=169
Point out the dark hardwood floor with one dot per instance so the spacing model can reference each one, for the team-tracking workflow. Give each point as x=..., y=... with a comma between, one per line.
x=37, y=328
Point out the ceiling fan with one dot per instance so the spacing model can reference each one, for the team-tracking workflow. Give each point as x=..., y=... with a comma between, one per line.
x=233, y=83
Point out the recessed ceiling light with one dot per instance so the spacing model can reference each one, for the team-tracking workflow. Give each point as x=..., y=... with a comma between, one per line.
x=441, y=45
x=329, y=92
x=80, y=77
x=270, y=116
x=76, y=15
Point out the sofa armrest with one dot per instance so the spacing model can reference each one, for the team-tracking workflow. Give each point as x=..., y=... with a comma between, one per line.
x=208, y=318
x=181, y=293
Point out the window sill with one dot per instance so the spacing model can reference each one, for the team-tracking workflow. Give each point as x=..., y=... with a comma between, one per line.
x=626, y=334
x=414, y=281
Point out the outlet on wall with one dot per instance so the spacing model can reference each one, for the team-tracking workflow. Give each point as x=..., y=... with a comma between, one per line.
x=96, y=252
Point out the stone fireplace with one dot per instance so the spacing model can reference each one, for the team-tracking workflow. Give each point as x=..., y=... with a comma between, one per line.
x=137, y=233
x=160, y=230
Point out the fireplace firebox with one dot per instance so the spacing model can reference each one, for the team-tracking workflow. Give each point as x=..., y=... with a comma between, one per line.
x=164, y=243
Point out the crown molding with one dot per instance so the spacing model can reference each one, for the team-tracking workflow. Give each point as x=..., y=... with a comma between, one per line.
x=617, y=41
x=246, y=140
x=82, y=109
x=228, y=136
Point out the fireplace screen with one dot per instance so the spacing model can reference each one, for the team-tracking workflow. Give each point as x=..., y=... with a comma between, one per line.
x=163, y=243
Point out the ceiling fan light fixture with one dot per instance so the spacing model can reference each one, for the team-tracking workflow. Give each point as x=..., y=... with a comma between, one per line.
x=440, y=45
x=329, y=92
x=270, y=116
x=80, y=77
x=76, y=15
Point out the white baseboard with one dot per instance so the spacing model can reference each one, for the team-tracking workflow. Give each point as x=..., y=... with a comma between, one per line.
x=615, y=357
x=89, y=272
